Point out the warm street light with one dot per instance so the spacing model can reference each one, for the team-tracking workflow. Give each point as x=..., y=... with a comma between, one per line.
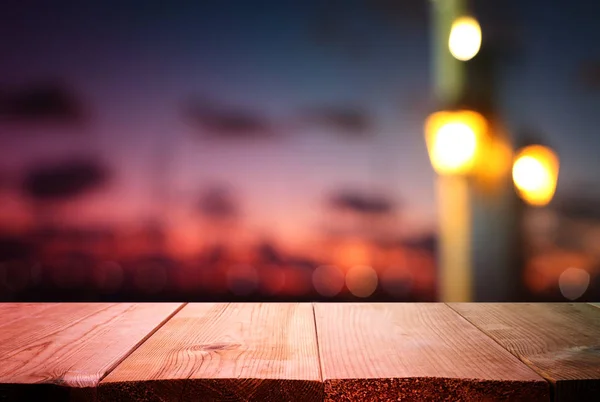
x=535, y=173
x=455, y=140
x=465, y=38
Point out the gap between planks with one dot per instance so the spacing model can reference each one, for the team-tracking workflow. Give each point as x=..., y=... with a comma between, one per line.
x=65, y=349
x=319, y=357
x=238, y=351
x=377, y=351
x=318, y=336
x=141, y=342
x=542, y=373
x=566, y=356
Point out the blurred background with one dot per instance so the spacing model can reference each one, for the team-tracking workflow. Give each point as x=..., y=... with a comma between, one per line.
x=273, y=150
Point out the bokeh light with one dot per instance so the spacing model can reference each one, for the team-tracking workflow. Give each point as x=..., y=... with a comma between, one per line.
x=328, y=280
x=543, y=271
x=455, y=140
x=535, y=173
x=573, y=283
x=361, y=280
x=455, y=145
x=464, y=41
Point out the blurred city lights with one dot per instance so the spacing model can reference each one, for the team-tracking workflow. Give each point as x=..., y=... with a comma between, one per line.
x=465, y=38
x=573, y=283
x=535, y=173
x=361, y=280
x=351, y=252
x=455, y=140
x=328, y=280
x=543, y=271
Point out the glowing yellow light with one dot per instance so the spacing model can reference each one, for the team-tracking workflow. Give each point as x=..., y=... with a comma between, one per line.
x=455, y=140
x=535, y=172
x=465, y=38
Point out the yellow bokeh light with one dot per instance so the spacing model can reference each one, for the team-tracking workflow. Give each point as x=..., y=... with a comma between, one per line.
x=455, y=145
x=455, y=140
x=535, y=173
x=465, y=38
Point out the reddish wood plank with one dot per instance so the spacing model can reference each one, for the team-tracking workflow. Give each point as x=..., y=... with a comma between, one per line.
x=214, y=352
x=70, y=344
x=561, y=341
x=382, y=352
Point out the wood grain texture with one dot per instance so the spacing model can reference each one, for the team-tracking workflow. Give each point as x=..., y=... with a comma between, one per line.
x=60, y=345
x=224, y=352
x=561, y=341
x=415, y=352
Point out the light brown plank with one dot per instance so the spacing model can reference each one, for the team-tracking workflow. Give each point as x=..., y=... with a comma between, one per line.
x=415, y=352
x=69, y=344
x=11, y=312
x=215, y=352
x=561, y=341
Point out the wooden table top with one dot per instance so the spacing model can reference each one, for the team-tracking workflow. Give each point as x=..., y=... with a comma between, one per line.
x=299, y=351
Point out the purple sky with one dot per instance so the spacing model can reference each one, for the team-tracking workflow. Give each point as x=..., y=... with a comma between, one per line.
x=135, y=64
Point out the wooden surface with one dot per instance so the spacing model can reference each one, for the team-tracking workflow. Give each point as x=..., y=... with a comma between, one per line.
x=70, y=345
x=415, y=352
x=259, y=352
x=299, y=352
x=560, y=341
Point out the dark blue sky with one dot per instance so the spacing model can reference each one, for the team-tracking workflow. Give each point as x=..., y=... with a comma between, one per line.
x=135, y=63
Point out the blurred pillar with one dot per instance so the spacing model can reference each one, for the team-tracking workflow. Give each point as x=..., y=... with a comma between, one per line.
x=454, y=262
x=448, y=73
x=478, y=225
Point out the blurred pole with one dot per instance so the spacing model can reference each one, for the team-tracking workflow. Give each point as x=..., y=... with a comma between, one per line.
x=454, y=260
x=496, y=233
x=448, y=73
x=478, y=225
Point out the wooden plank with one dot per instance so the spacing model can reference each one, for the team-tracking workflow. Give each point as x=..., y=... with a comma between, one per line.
x=381, y=352
x=46, y=346
x=561, y=341
x=595, y=304
x=214, y=352
x=11, y=312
